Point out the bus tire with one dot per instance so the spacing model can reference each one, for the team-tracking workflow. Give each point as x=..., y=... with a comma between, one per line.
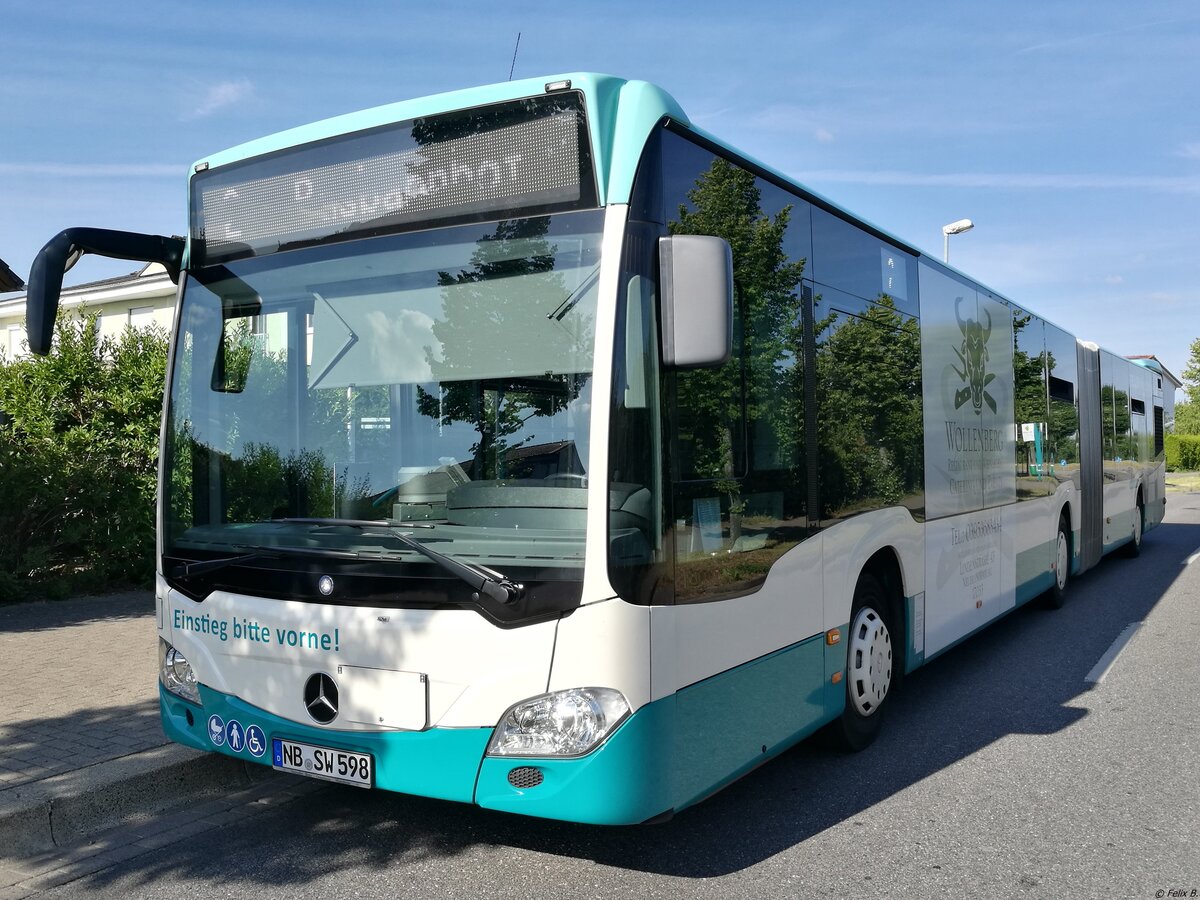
x=1057, y=595
x=869, y=666
x=1134, y=548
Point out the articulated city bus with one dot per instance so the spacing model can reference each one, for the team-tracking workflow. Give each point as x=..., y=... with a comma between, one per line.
x=529, y=447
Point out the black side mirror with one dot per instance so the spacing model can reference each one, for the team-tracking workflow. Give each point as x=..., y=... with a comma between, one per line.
x=63, y=251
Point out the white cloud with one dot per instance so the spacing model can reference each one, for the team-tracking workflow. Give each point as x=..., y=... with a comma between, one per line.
x=221, y=96
x=824, y=136
x=1190, y=151
x=1167, y=298
x=1085, y=38
x=403, y=344
x=1113, y=279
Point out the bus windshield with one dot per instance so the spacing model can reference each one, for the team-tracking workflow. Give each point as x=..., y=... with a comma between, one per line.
x=435, y=380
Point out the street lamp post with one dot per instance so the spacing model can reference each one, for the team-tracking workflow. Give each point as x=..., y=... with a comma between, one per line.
x=953, y=228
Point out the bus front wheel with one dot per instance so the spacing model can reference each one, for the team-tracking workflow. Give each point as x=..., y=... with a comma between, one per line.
x=869, y=666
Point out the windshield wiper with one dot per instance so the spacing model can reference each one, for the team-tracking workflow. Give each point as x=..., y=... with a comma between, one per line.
x=485, y=581
x=254, y=552
x=573, y=298
x=199, y=567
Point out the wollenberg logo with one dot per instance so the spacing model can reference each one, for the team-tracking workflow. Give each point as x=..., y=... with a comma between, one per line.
x=973, y=354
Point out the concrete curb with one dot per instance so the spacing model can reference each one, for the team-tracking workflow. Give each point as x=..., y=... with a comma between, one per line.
x=66, y=809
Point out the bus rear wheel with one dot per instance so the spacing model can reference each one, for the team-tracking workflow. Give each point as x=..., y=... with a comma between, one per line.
x=869, y=666
x=1134, y=548
x=1057, y=595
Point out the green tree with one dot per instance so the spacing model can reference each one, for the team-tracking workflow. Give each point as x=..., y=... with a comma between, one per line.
x=259, y=480
x=870, y=423
x=740, y=425
x=1187, y=414
x=726, y=203
x=79, y=451
x=1191, y=373
x=485, y=318
x=1029, y=376
x=1187, y=418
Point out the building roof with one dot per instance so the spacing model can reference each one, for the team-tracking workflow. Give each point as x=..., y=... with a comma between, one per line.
x=1151, y=361
x=152, y=278
x=9, y=280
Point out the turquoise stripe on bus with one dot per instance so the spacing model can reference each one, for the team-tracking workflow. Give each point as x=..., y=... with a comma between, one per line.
x=621, y=115
x=915, y=652
x=1024, y=592
x=674, y=752
x=440, y=762
x=666, y=756
x=725, y=722
x=623, y=782
x=591, y=85
x=1034, y=576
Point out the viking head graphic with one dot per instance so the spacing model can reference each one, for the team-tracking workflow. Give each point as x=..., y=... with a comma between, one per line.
x=973, y=354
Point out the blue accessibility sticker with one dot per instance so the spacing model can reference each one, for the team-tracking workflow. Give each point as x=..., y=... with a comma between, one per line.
x=235, y=735
x=256, y=741
x=216, y=730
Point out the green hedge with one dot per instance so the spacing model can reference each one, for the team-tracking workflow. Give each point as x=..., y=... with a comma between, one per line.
x=1183, y=452
x=78, y=462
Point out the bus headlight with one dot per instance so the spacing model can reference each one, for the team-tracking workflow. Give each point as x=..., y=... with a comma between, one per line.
x=176, y=673
x=564, y=723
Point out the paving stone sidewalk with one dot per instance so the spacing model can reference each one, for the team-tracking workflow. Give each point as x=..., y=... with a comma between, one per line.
x=79, y=685
x=81, y=747
x=87, y=777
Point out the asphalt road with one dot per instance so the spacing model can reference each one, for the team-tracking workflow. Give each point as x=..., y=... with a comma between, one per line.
x=1002, y=772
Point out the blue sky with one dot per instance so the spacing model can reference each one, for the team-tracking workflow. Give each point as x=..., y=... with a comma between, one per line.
x=1069, y=131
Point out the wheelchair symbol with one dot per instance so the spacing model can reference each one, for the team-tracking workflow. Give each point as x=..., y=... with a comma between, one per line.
x=256, y=741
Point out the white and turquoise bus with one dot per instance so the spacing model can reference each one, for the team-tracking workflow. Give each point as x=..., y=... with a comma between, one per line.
x=529, y=447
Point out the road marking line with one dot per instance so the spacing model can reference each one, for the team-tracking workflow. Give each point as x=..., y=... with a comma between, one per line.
x=1191, y=559
x=1109, y=658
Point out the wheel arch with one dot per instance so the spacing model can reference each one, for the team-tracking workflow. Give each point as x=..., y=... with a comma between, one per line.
x=1066, y=509
x=885, y=567
x=889, y=544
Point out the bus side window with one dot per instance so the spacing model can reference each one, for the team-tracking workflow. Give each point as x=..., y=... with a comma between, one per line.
x=1034, y=467
x=738, y=461
x=868, y=387
x=635, y=516
x=1063, y=421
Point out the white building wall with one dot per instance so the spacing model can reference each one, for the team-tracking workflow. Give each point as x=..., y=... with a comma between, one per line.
x=144, y=298
x=14, y=341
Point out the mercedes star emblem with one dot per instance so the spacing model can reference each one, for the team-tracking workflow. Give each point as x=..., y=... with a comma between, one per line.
x=321, y=698
x=325, y=585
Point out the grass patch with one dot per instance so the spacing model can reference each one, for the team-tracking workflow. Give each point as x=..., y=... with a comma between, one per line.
x=1180, y=482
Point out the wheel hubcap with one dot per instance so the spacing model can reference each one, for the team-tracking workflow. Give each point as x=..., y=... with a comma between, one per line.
x=870, y=661
x=1061, y=564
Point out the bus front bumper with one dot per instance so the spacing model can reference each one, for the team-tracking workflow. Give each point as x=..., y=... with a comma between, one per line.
x=622, y=782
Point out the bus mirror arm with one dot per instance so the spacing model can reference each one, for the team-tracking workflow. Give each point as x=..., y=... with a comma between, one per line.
x=64, y=249
x=695, y=278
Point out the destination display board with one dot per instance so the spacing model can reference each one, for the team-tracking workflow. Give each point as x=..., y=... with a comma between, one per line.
x=528, y=156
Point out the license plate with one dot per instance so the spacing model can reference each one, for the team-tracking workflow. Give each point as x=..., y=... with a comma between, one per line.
x=342, y=766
